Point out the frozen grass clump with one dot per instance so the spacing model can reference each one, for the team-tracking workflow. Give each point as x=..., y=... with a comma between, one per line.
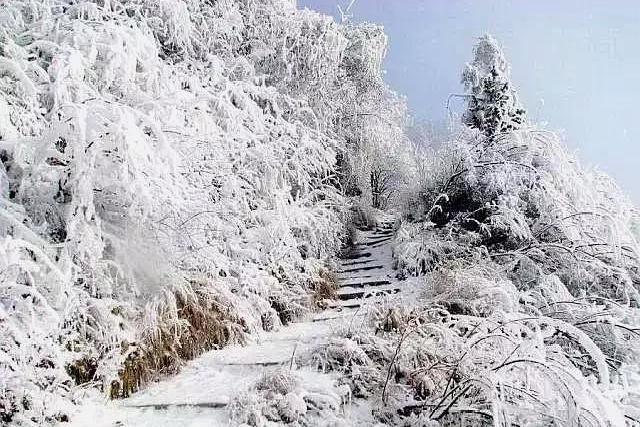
x=353, y=358
x=477, y=290
x=178, y=327
x=287, y=397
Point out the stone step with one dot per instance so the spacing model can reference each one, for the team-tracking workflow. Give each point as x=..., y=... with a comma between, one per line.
x=375, y=242
x=356, y=255
x=357, y=304
x=166, y=406
x=364, y=268
x=261, y=364
x=346, y=315
x=367, y=293
x=365, y=283
x=349, y=264
x=352, y=277
x=350, y=305
x=379, y=245
x=375, y=237
x=381, y=233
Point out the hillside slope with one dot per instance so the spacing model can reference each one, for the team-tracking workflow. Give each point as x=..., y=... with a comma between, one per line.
x=171, y=180
x=177, y=175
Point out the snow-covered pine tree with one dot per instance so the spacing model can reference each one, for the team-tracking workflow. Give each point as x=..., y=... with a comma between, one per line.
x=493, y=105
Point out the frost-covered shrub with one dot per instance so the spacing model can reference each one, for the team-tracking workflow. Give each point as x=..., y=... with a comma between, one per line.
x=562, y=259
x=325, y=288
x=285, y=398
x=562, y=254
x=363, y=215
x=473, y=350
x=524, y=195
x=520, y=193
x=348, y=355
x=471, y=291
x=420, y=248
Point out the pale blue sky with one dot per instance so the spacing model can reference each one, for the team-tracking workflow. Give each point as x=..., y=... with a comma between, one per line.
x=575, y=63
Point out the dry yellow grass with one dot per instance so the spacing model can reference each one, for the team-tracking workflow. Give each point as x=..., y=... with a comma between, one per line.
x=325, y=288
x=195, y=322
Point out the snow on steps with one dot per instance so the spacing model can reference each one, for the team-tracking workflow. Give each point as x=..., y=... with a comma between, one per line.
x=358, y=269
x=199, y=394
x=371, y=280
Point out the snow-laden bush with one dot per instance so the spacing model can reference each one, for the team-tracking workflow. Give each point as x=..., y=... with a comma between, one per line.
x=559, y=241
x=523, y=195
x=417, y=252
x=288, y=398
x=353, y=356
x=168, y=181
x=472, y=351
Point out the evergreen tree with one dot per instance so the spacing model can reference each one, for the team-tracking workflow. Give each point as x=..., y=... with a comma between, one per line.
x=493, y=105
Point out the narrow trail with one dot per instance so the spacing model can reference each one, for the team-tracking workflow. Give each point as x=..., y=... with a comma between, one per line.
x=199, y=394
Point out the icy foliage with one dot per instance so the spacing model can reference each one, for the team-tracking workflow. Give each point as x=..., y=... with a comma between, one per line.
x=493, y=105
x=523, y=196
x=348, y=355
x=168, y=181
x=288, y=398
x=473, y=351
x=529, y=265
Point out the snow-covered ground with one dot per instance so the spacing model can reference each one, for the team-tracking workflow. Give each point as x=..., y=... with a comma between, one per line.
x=175, y=174
x=199, y=394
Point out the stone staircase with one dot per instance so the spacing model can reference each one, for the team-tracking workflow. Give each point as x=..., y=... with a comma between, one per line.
x=199, y=394
x=366, y=268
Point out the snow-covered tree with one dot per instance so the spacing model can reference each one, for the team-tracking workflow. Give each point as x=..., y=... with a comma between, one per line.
x=372, y=119
x=493, y=105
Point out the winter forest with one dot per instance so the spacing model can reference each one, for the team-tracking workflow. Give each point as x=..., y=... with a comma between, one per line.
x=217, y=213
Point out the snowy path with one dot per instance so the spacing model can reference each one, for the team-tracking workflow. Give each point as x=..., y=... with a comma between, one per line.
x=198, y=395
